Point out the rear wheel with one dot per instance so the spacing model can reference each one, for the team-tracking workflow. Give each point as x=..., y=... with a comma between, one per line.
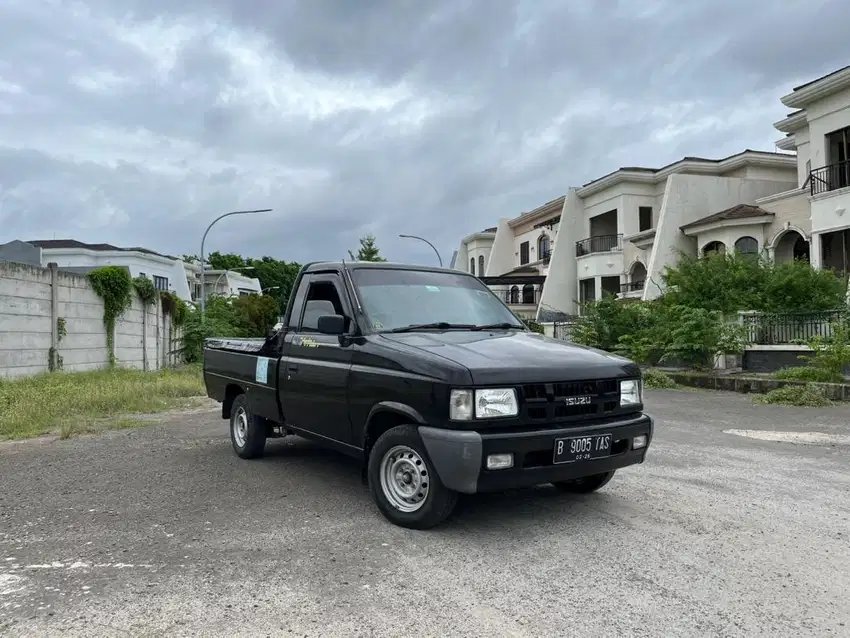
x=585, y=484
x=403, y=483
x=247, y=432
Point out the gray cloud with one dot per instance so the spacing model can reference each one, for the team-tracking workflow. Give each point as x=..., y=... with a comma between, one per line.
x=138, y=122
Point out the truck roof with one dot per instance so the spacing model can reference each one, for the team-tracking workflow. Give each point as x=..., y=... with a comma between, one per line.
x=325, y=265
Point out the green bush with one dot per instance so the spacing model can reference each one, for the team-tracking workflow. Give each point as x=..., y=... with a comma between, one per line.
x=657, y=379
x=532, y=325
x=695, y=320
x=241, y=317
x=808, y=373
x=803, y=396
x=832, y=353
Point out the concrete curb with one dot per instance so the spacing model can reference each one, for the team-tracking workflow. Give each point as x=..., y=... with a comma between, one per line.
x=754, y=385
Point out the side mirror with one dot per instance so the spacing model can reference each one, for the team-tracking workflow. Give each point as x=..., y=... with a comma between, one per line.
x=332, y=324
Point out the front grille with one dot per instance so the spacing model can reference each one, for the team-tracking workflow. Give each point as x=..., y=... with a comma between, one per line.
x=543, y=402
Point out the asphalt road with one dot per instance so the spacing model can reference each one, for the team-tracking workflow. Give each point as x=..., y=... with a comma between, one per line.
x=162, y=530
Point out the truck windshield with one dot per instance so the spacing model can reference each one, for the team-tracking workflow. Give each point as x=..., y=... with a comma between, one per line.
x=394, y=299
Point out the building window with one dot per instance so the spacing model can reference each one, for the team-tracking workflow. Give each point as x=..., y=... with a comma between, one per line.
x=644, y=218
x=141, y=274
x=714, y=248
x=472, y=265
x=514, y=298
x=746, y=246
x=528, y=293
x=480, y=265
x=523, y=253
x=160, y=283
x=544, y=247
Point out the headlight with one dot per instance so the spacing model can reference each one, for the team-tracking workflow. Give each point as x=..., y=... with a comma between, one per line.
x=460, y=405
x=490, y=404
x=482, y=404
x=630, y=393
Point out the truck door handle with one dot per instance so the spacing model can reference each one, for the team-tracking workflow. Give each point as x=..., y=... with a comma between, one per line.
x=292, y=368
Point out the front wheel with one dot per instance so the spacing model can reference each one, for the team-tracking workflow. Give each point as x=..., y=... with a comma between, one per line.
x=585, y=484
x=403, y=483
x=247, y=432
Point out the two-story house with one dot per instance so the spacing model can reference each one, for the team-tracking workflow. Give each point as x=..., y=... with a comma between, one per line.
x=819, y=131
x=513, y=258
x=618, y=232
x=166, y=272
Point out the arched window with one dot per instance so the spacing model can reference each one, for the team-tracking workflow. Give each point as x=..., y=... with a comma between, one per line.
x=714, y=248
x=514, y=298
x=480, y=265
x=747, y=246
x=472, y=265
x=544, y=247
x=528, y=293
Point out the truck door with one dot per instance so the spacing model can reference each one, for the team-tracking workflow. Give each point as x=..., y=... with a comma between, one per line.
x=314, y=387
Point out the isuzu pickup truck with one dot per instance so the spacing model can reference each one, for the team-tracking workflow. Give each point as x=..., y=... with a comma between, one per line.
x=431, y=381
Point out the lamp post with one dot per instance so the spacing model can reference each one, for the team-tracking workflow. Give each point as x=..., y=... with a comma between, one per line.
x=204, y=239
x=269, y=288
x=427, y=242
x=227, y=270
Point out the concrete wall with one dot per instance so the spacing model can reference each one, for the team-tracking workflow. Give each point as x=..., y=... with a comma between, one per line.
x=44, y=308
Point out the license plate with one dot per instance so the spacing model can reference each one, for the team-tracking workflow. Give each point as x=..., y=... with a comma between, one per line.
x=582, y=448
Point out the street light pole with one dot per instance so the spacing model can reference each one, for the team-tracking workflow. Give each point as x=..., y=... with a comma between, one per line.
x=427, y=242
x=204, y=239
x=269, y=288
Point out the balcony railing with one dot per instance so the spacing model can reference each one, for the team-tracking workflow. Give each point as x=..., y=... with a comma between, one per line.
x=516, y=296
x=830, y=178
x=632, y=286
x=546, y=256
x=599, y=244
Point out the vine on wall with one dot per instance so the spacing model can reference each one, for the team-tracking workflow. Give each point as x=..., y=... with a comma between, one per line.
x=174, y=306
x=145, y=289
x=114, y=285
x=54, y=359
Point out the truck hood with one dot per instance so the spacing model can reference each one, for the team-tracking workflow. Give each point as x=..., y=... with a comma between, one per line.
x=516, y=357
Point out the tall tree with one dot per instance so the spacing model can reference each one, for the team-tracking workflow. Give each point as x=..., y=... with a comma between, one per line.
x=368, y=250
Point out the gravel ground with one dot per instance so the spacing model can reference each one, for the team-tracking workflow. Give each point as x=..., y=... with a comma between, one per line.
x=162, y=530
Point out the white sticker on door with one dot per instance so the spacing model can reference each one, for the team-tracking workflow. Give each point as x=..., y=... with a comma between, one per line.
x=262, y=373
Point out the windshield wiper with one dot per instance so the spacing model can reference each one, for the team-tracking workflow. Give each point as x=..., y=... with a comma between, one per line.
x=498, y=326
x=437, y=325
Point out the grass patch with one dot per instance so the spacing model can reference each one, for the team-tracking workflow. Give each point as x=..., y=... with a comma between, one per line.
x=657, y=379
x=808, y=396
x=808, y=373
x=72, y=401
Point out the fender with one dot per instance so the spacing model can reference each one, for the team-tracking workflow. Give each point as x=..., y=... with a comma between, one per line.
x=398, y=408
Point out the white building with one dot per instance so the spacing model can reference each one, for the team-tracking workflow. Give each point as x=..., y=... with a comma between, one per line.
x=167, y=273
x=819, y=131
x=513, y=258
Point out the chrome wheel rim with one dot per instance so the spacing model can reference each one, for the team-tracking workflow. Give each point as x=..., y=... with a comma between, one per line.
x=405, y=479
x=240, y=427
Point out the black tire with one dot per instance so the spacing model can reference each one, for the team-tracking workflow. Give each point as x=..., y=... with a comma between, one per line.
x=585, y=484
x=251, y=443
x=438, y=502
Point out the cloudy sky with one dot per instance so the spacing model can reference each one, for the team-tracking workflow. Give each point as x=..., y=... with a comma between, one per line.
x=136, y=122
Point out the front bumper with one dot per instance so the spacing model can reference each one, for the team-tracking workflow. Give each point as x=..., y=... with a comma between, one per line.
x=459, y=456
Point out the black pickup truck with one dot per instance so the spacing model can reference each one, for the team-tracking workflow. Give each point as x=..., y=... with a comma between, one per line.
x=427, y=377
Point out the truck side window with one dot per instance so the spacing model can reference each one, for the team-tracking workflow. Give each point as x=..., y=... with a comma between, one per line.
x=298, y=303
x=322, y=299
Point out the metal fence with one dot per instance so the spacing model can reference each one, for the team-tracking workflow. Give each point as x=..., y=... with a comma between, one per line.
x=789, y=328
x=563, y=330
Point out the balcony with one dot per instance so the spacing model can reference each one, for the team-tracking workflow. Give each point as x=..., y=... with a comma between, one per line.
x=632, y=286
x=546, y=256
x=518, y=295
x=599, y=244
x=830, y=178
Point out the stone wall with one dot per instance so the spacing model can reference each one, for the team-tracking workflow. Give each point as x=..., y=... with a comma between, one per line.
x=47, y=313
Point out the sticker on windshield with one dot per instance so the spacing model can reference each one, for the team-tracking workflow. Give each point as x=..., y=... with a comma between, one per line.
x=432, y=289
x=377, y=325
